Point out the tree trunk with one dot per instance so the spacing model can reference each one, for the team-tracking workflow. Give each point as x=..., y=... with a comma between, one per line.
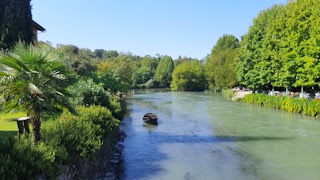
x=35, y=121
x=301, y=94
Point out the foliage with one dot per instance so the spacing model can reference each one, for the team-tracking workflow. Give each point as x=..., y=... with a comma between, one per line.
x=99, y=116
x=141, y=76
x=228, y=93
x=21, y=159
x=221, y=64
x=80, y=60
x=164, y=70
x=34, y=80
x=15, y=23
x=257, y=65
x=224, y=43
x=282, y=48
x=188, y=76
x=73, y=138
x=65, y=140
x=119, y=69
x=305, y=106
x=86, y=93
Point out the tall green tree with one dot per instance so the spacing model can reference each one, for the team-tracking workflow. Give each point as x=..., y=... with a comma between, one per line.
x=257, y=64
x=221, y=69
x=164, y=70
x=34, y=80
x=15, y=23
x=300, y=42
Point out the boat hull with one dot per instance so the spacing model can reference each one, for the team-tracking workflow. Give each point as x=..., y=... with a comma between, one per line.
x=150, y=118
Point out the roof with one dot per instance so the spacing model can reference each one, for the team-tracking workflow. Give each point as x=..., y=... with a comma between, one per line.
x=38, y=27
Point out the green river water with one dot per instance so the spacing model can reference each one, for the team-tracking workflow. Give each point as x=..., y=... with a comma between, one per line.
x=204, y=136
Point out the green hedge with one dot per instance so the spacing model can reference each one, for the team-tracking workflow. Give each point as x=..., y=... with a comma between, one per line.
x=299, y=105
x=65, y=141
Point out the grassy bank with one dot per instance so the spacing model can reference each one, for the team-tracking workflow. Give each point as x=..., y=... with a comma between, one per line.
x=298, y=105
x=8, y=123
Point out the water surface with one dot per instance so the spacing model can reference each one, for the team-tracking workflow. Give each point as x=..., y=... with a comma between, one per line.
x=204, y=136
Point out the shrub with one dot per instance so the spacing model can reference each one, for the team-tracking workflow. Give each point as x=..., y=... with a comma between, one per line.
x=89, y=93
x=73, y=138
x=305, y=106
x=228, y=93
x=20, y=159
x=100, y=116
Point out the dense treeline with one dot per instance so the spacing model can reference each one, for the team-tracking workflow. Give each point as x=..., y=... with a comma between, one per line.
x=282, y=48
x=124, y=71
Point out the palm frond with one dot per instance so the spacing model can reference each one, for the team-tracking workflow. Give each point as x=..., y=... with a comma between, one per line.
x=10, y=62
x=13, y=104
x=33, y=89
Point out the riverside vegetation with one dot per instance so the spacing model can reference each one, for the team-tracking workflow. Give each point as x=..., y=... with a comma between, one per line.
x=62, y=135
x=75, y=96
x=298, y=105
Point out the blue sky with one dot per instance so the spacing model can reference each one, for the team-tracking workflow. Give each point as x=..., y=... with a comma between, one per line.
x=146, y=27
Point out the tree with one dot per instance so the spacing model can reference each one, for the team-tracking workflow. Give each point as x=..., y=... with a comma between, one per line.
x=225, y=42
x=257, y=59
x=110, y=54
x=221, y=69
x=145, y=72
x=34, y=80
x=79, y=60
x=98, y=53
x=189, y=76
x=164, y=70
x=142, y=75
x=15, y=23
x=301, y=42
x=117, y=73
x=282, y=47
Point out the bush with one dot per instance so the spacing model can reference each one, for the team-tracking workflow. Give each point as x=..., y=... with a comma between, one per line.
x=77, y=137
x=72, y=137
x=20, y=159
x=227, y=93
x=100, y=116
x=298, y=105
x=88, y=93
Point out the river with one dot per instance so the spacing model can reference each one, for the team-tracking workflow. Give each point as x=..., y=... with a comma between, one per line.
x=203, y=136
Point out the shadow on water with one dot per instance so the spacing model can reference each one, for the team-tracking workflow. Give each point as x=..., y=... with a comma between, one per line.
x=162, y=138
x=145, y=154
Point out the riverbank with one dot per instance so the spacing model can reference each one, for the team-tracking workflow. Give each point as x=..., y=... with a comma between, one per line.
x=238, y=94
x=297, y=105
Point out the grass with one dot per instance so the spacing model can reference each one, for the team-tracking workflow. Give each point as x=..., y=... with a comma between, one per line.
x=8, y=123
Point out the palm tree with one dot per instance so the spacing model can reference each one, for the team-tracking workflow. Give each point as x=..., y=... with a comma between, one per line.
x=34, y=80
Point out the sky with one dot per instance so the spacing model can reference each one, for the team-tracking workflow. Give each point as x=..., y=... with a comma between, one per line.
x=146, y=27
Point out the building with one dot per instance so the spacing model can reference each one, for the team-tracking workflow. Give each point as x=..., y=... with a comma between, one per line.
x=36, y=27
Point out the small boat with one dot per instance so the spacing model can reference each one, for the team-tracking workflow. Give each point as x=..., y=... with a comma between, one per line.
x=150, y=118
